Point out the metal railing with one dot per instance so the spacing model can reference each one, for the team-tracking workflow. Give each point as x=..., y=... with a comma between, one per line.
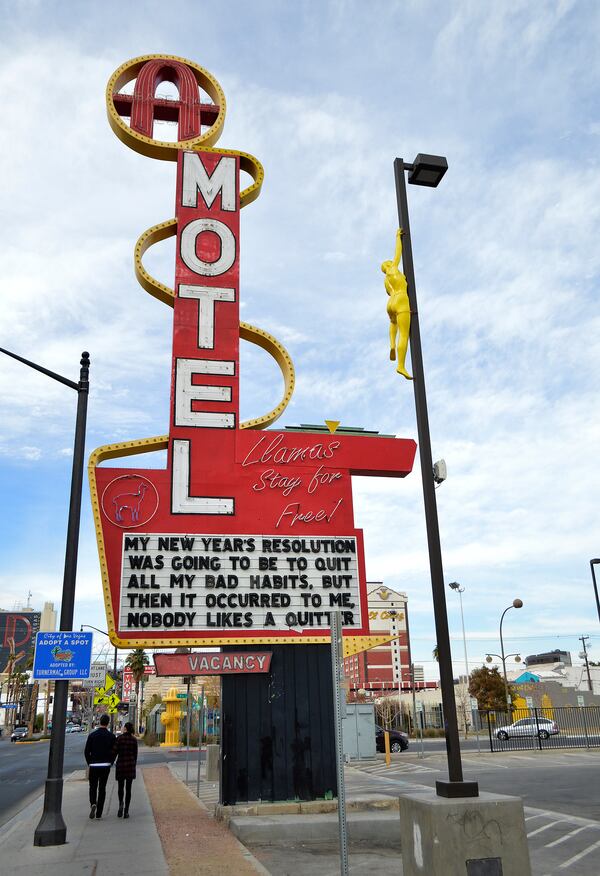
x=537, y=728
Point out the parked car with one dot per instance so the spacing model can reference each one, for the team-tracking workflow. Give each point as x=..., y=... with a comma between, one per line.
x=19, y=732
x=398, y=740
x=74, y=728
x=542, y=727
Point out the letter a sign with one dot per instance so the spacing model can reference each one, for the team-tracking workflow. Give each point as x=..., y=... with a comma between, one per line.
x=247, y=536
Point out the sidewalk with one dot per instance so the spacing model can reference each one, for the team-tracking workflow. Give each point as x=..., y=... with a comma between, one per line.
x=169, y=833
x=108, y=846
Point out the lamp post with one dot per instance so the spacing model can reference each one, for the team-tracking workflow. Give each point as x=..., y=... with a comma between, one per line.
x=428, y=170
x=104, y=633
x=52, y=830
x=592, y=564
x=516, y=603
x=454, y=585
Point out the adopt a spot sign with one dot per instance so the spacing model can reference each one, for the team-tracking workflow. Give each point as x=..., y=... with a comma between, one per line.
x=62, y=655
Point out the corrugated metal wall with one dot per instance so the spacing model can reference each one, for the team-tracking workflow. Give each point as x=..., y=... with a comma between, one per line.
x=277, y=728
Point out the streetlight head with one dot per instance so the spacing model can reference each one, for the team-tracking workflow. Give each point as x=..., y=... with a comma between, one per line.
x=454, y=585
x=517, y=658
x=427, y=170
x=517, y=603
x=488, y=659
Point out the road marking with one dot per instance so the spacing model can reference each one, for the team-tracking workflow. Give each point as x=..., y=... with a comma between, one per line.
x=567, y=836
x=529, y=817
x=546, y=827
x=581, y=855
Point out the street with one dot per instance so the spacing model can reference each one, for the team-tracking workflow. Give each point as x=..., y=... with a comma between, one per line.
x=559, y=791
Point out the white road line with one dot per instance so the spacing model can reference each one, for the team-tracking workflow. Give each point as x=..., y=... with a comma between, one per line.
x=581, y=855
x=539, y=815
x=568, y=836
x=545, y=827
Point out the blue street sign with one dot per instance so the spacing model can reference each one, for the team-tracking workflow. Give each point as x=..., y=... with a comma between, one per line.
x=9, y=705
x=61, y=655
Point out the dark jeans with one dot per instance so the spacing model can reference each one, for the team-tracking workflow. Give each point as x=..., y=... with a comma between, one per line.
x=98, y=780
x=127, y=784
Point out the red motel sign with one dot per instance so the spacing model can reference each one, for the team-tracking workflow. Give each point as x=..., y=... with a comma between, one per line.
x=247, y=535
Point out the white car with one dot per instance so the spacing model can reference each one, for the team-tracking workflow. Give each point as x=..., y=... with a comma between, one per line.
x=74, y=728
x=542, y=727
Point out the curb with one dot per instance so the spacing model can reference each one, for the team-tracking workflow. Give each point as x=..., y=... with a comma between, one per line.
x=379, y=830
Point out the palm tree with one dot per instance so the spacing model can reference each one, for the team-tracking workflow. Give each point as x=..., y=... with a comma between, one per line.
x=137, y=661
x=435, y=654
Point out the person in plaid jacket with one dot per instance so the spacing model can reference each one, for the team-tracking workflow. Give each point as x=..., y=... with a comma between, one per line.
x=126, y=750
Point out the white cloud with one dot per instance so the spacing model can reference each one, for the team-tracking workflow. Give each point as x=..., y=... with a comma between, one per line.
x=505, y=252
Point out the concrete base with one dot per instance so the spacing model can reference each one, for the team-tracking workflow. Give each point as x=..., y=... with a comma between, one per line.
x=212, y=763
x=465, y=836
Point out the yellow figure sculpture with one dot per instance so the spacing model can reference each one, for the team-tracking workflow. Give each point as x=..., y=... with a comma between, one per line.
x=170, y=718
x=398, y=307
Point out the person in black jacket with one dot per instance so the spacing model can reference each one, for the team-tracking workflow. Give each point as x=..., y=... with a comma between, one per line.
x=99, y=755
x=126, y=749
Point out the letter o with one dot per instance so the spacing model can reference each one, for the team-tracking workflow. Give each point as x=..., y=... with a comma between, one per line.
x=190, y=235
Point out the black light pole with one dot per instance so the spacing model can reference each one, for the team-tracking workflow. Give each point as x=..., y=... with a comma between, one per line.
x=52, y=830
x=428, y=170
x=592, y=564
x=104, y=633
x=516, y=603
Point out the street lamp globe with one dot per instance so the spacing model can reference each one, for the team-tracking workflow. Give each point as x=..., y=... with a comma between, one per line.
x=517, y=603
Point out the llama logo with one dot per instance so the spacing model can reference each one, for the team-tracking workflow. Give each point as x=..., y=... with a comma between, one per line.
x=130, y=501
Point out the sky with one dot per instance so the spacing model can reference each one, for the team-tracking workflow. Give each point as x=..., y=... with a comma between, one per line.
x=326, y=95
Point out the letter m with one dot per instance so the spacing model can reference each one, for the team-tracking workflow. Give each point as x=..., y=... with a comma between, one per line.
x=196, y=179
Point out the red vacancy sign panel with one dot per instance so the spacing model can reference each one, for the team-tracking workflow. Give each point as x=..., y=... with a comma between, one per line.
x=210, y=663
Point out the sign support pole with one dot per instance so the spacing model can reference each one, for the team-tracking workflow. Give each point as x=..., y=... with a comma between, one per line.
x=200, y=732
x=187, y=729
x=52, y=830
x=336, y=669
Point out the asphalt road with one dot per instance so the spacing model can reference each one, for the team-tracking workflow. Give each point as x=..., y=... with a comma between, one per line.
x=562, y=781
x=23, y=768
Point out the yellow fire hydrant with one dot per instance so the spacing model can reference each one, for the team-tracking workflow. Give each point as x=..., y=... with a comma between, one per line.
x=170, y=718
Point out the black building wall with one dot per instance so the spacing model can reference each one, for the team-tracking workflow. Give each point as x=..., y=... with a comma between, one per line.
x=277, y=735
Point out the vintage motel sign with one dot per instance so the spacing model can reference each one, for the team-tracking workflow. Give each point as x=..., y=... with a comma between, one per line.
x=247, y=536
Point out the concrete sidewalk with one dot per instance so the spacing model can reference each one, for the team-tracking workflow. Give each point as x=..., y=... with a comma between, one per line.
x=108, y=846
x=169, y=833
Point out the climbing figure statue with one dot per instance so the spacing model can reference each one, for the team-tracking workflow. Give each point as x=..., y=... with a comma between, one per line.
x=398, y=307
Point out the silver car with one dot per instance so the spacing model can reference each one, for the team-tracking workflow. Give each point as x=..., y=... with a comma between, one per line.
x=18, y=733
x=542, y=727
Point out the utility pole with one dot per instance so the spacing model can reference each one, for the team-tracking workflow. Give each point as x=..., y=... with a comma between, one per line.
x=583, y=640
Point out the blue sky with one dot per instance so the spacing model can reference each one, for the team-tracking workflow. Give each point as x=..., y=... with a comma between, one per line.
x=506, y=256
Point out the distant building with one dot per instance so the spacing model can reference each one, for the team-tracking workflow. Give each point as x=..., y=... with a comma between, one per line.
x=548, y=657
x=387, y=667
x=556, y=666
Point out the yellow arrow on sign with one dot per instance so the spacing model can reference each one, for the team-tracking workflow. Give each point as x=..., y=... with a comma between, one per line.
x=357, y=644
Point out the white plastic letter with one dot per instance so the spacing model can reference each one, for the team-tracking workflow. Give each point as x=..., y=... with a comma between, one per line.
x=190, y=235
x=186, y=392
x=206, y=297
x=181, y=501
x=196, y=179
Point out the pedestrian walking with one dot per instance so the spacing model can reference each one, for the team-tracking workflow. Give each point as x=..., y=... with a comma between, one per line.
x=99, y=755
x=126, y=750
